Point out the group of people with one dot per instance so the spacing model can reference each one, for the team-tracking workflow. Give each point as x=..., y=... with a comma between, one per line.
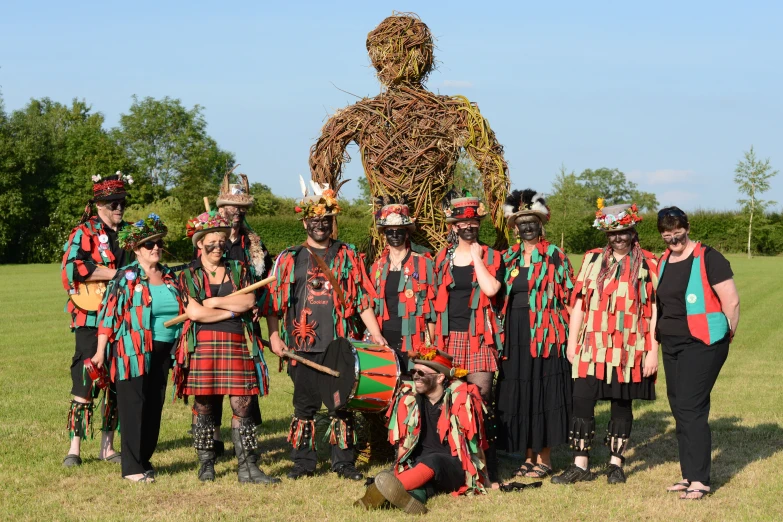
x=497, y=350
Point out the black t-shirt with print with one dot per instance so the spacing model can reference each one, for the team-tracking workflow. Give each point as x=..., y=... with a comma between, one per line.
x=313, y=305
x=672, y=315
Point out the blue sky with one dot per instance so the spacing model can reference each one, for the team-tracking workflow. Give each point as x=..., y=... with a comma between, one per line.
x=671, y=93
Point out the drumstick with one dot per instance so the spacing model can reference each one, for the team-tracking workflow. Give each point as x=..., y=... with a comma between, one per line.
x=311, y=364
x=241, y=291
x=206, y=203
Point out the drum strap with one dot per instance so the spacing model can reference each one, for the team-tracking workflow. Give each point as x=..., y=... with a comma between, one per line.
x=328, y=273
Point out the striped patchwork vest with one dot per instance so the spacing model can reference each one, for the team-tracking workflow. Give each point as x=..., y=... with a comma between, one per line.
x=706, y=320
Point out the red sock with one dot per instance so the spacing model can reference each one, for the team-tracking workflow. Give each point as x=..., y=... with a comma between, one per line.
x=416, y=477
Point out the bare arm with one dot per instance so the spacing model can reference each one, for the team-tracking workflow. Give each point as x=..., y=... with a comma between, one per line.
x=203, y=314
x=234, y=303
x=574, y=327
x=101, y=273
x=275, y=342
x=730, y=302
x=651, y=357
x=369, y=320
x=100, y=355
x=487, y=282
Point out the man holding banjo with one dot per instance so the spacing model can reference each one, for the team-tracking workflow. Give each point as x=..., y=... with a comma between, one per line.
x=92, y=256
x=320, y=292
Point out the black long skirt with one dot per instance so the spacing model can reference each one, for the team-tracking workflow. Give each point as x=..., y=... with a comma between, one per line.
x=533, y=393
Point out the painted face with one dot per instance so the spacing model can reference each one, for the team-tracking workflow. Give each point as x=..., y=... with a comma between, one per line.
x=676, y=239
x=213, y=245
x=528, y=227
x=468, y=230
x=620, y=241
x=319, y=228
x=396, y=236
x=233, y=214
x=424, y=379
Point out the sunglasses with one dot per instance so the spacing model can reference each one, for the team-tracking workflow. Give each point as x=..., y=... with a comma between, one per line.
x=149, y=245
x=463, y=225
x=395, y=231
x=670, y=212
x=117, y=204
x=419, y=373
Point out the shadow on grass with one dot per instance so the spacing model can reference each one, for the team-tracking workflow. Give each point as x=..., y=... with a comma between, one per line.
x=735, y=446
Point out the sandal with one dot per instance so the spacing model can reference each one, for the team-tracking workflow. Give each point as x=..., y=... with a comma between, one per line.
x=702, y=493
x=146, y=479
x=116, y=458
x=526, y=467
x=72, y=460
x=684, y=483
x=539, y=471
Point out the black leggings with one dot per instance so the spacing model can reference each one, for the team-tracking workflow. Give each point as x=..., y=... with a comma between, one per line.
x=585, y=408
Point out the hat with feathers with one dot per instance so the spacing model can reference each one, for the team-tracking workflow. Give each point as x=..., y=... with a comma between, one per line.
x=237, y=195
x=523, y=203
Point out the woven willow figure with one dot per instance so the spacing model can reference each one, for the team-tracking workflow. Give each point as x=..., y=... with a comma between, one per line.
x=409, y=138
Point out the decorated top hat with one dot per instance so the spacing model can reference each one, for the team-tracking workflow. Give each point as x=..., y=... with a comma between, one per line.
x=149, y=229
x=322, y=203
x=439, y=361
x=205, y=223
x=463, y=207
x=237, y=195
x=393, y=214
x=526, y=202
x=111, y=187
x=617, y=217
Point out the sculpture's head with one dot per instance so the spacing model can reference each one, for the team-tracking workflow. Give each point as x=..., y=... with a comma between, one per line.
x=400, y=49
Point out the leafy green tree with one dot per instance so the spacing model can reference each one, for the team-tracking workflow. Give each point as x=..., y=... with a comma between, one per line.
x=615, y=188
x=752, y=178
x=571, y=211
x=164, y=138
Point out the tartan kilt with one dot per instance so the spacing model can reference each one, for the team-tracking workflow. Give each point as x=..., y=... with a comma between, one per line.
x=220, y=365
x=485, y=359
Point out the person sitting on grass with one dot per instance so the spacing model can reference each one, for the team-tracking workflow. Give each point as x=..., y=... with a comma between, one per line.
x=439, y=430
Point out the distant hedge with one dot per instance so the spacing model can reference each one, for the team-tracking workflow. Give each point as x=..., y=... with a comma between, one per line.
x=725, y=231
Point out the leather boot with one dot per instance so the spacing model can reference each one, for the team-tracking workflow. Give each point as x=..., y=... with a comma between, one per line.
x=392, y=489
x=203, y=433
x=372, y=499
x=245, y=444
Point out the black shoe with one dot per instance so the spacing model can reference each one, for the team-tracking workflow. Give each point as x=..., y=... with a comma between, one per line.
x=614, y=474
x=573, y=474
x=72, y=460
x=219, y=447
x=206, y=472
x=299, y=471
x=349, y=471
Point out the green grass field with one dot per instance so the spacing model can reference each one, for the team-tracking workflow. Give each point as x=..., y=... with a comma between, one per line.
x=35, y=351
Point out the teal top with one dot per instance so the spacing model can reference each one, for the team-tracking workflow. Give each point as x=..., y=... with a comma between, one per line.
x=164, y=307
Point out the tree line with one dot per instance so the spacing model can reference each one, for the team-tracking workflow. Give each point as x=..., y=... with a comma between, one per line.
x=49, y=151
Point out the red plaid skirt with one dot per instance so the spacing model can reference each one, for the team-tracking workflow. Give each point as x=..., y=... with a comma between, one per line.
x=485, y=359
x=221, y=365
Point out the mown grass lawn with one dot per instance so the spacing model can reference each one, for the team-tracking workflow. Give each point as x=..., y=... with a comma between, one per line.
x=36, y=347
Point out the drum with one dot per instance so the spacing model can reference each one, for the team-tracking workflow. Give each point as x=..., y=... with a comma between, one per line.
x=369, y=376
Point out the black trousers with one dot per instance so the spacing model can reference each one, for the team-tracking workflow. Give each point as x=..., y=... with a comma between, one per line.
x=621, y=412
x=140, y=402
x=307, y=402
x=692, y=368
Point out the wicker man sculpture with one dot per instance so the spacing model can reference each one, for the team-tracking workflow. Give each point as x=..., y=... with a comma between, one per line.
x=410, y=138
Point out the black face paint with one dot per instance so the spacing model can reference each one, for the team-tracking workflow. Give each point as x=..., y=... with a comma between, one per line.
x=620, y=240
x=319, y=229
x=529, y=230
x=675, y=240
x=425, y=383
x=469, y=233
x=396, y=237
x=211, y=247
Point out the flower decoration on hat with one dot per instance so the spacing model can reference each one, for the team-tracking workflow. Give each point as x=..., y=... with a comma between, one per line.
x=147, y=229
x=322, y=203
x=204, y=223
x=393, y=213
x=438, y=361
x=616, y=217
x=461, y=206
x=110, y=187
x=523, y=203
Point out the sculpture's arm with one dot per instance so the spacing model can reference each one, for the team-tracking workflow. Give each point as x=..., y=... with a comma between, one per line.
x=328, y=154
x=485, y=151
